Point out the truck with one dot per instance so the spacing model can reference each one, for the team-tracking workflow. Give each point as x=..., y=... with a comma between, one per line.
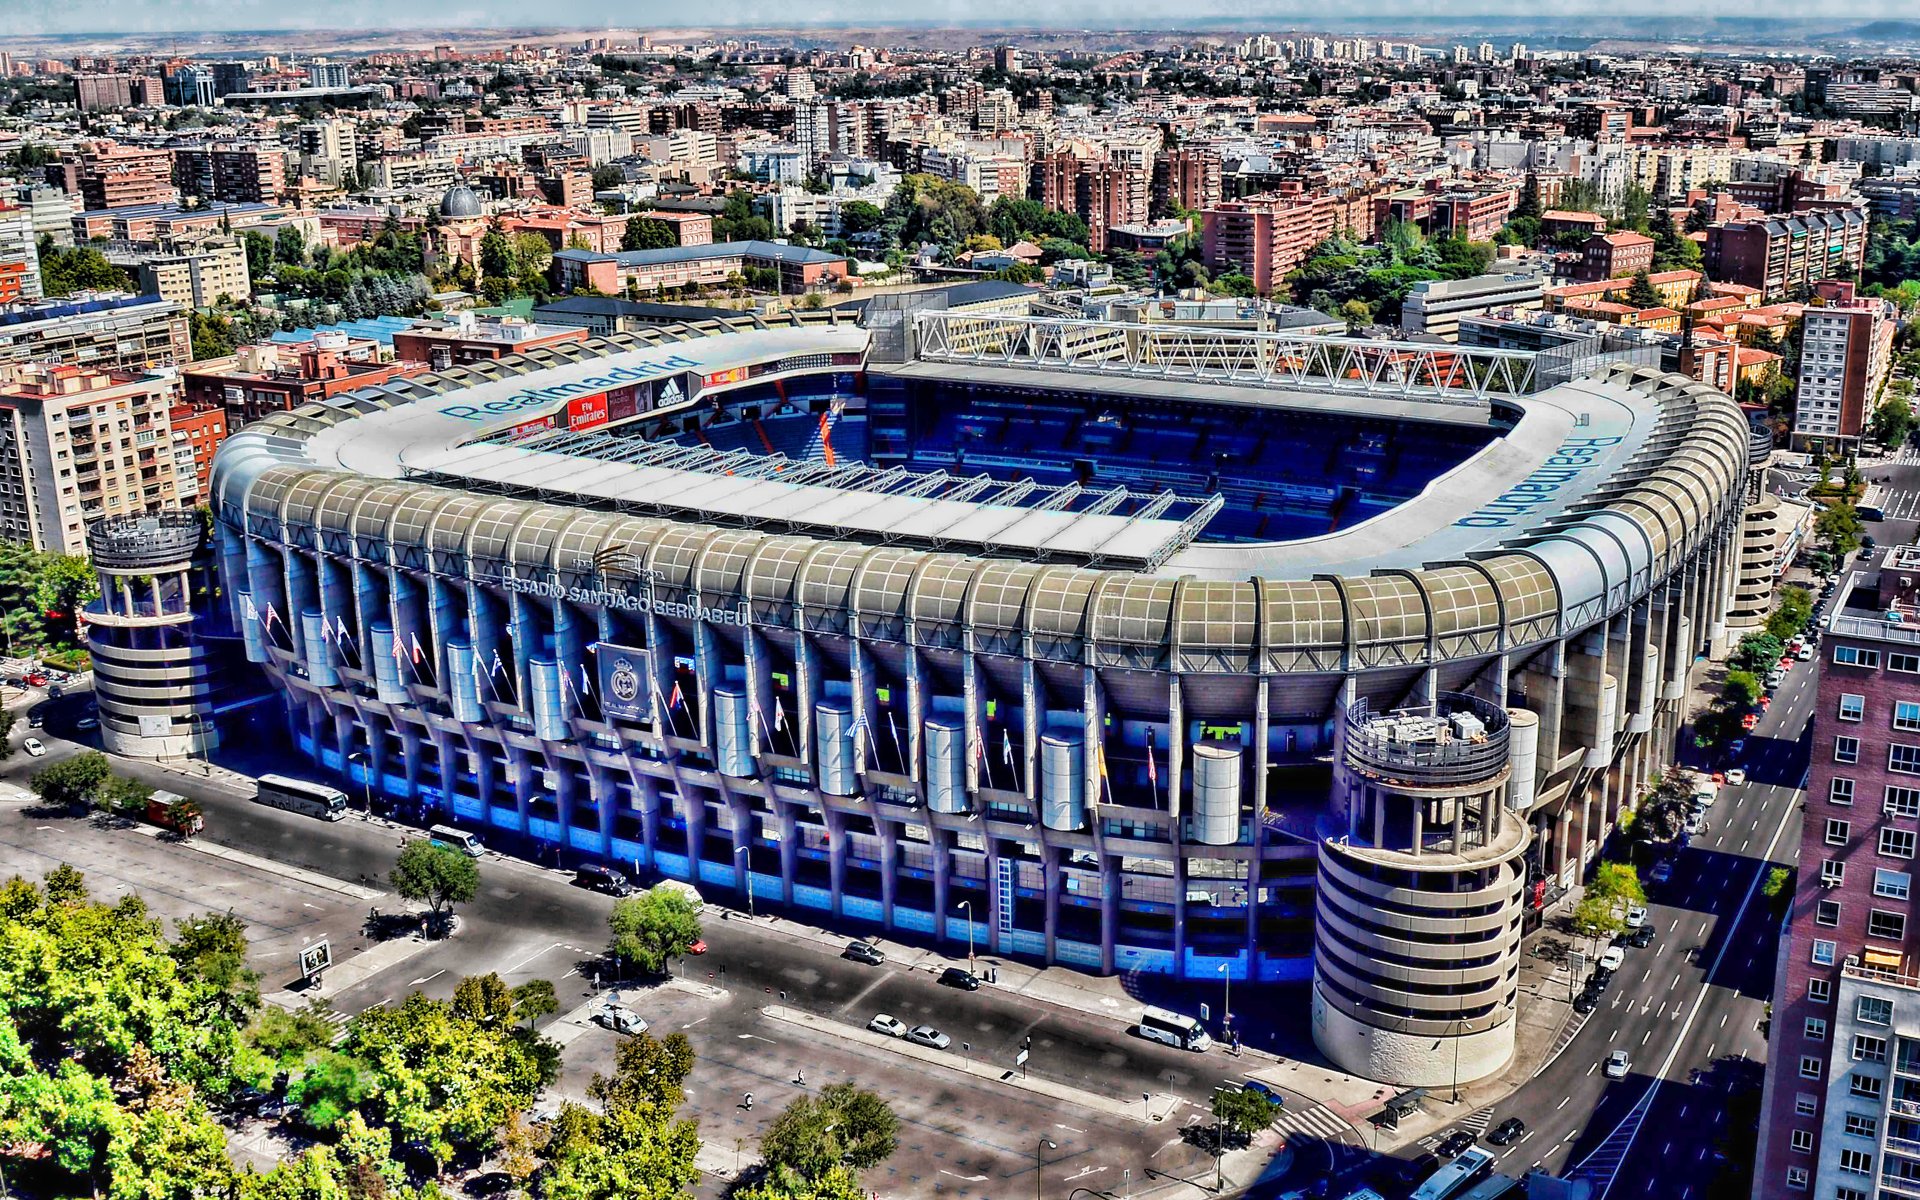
x=175, y=812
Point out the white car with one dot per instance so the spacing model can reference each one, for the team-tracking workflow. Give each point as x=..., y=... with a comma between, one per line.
x=928, y=1036
x=1613, y=958
x=620, y=1019
x=1695, y=823
x=1737, y=777
x=1636, y=916
x=1804, y=654
x=1618, y=1064
x=32, y=746
x=890, y=1025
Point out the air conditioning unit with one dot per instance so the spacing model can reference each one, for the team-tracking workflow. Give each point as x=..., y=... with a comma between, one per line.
x=1827, y=882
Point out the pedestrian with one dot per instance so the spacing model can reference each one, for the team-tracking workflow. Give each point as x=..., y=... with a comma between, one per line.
x=748, y=1102
x=799, y=1078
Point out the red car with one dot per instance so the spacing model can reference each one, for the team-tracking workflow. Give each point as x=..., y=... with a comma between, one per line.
x=699, y=946
x=37, y=679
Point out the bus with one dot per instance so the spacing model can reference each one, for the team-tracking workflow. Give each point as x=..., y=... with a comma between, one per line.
x=297, y=795
x=1159, y=1025
x=1457, y=1176
x=1872, y=505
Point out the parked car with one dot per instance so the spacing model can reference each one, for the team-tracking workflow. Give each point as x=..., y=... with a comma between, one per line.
x=87, y=721
x=1618, y=1064
x=865, y=952
x=1508, y=1131
x=1776, y=677
x=1640, y=938
x=928, y=1036
x=603, y=880
x=1612, y=959
x=888, y=1024
x=960, y=977
x=620, y=1019
x=1695, y=822
x=1662, y=872
x=1736, y=777
x=37, y=679
x=1456, y=1143
x=33, y=746
x=1636, y=916
x=1804, y=654
x=1586, y=1001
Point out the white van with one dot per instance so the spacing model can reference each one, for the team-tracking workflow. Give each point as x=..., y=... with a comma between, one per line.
x=456, y=839
x=1704, y=795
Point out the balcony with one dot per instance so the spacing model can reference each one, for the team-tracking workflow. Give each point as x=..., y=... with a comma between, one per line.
x=1900, y=1185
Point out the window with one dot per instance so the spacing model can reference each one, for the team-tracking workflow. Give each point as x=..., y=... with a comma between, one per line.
x=1904, y=760
x=1838, y=831
x=1797, y=1178
x=1816, y=1029
x=1803, y=1141
x=1891, y=885
x=1852, y=707
x=1823, y=952
x=1862, y=1125
x=1827, y=912
x=1899, y=660
x=1856, y=1162
x=1906, y=715
x=1805, y=1104
x=1855, y=656
x=1896, y=843
x=1809, y=1066
x=1833, y=873
x=1884, y=924
x=1867, y=1048
x=1849, y=1194
x=1874, y=1010
x=1846, y=749
x=1902, y=802
x=1865, y=1085
x=1840, y=791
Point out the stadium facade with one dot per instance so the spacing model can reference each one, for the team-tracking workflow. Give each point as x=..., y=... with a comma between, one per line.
x=1212, y=654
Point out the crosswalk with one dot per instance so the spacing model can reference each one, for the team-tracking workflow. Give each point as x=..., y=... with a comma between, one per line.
x=338, y=1020
x=1475, y=1123
x=1569, y=1029
x=1316, y=1120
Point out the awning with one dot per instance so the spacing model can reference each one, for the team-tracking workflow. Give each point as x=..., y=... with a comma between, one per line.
x=1888, y=959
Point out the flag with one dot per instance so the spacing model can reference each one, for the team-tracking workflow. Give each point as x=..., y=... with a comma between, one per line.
x=585, y=688
x=894, y=729
x=779, y=716
x=1100, y=757
x=674, y=699
x=980, y=752
x=862, y=744
x=497, y=666
x=339, y=625
x=272, y=616
x=253, y=614
x=1153, y=775
x=418, y=653
x=399, y=651
x=326, y=632
x=1006, y=747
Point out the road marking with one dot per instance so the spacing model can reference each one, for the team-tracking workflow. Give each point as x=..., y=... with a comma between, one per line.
x=1711, y=1047
x=427, y=978
x=691, y=1024
x=1068, y=1128
x=1566, y=1100
x=1723, y=1020
x=1645, y=1036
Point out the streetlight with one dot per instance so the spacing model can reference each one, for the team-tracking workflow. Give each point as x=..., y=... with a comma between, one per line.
x=746, y=876
x=366, y=776
x=1045, y=1143
x=968, y=905
x=1226, y=1002
x=200, y=723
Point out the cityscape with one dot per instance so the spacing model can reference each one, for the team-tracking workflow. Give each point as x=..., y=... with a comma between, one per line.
x=854, y=605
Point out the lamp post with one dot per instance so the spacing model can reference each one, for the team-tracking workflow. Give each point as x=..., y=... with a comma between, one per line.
x=1226, y=1001
x=1044, y=1143
x=968, y=905
x=199, y=722
x=746, y=876
x=366, y=777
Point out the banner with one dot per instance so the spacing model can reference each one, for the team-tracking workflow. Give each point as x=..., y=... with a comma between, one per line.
x=624, y=670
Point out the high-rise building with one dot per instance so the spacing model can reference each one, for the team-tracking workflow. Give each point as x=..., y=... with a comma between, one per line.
x=335, y=76
x=18, y=244
x=237, y=172
x=193, y=87
x=119, y=332
x=1785, y=256
x=1188, y=177
x=194, y=276
x=329, y=150
x=1082, y=179
x=105, y=175
x=231, y=77
x=1846, y=349
x=1841, y=1107
x=77, y=444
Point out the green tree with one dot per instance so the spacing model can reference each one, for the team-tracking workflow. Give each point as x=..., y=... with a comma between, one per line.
x=290, y=246
x=123, y=796
x=496, y=255
x=648, y=233
x=1839, y=529
x=6, y=735
x=71, y=269
x=607, y=177
x=72, y=782
x=1597, y=917
x=785, y=1183
x=330, y=1087
x=437, y=876
x=259, y=248
x=1793, y=609
x=652, y=928
x=1243, y=1111
x=860, y=216
x=1618, y=882
x=1641, y=293
x=1892, y=421
x=1742, y=688
x=212, y=335
x=1356, y=314
x=637, y=1145
x=534, y=999
x=286, y=1037
x=842, y=1126
x=483, y=999
x=212, y=949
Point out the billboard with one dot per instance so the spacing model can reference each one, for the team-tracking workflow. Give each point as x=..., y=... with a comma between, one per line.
x=624, y=691
x=585, y=412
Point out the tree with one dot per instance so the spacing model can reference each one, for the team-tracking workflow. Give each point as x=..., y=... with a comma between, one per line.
x=1794, y=608
x=496, y=255
x=859, y=216
x=213, y=949
x=843, y=1126
x=1641, y=293
x=259, y=248
x=648, y=233
x=1892, y=421
x=534, y=999
x=1243, y=1111
x=123, y=797
x=72, y=269
x=329, y=1088
x=437, y=876
x=653, y=927
x=1742, y=689
x=483, y=999
x=1839, y=529
x=784, y=1183
x=1356, y=314
x=1618, y=882
x=212, y=335
x=285, y=1038
x=1597, y=917
x=648, y=1073
x=6, y=735
x=290, y=245
x=606, y=177
x=73, y=782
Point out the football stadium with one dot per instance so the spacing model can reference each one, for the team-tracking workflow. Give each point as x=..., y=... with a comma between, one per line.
x=1196, y=652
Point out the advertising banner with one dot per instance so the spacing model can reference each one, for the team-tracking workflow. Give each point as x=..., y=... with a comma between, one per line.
x=624, y=671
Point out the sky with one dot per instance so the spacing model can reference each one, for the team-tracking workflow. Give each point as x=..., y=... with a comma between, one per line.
x=27, y=18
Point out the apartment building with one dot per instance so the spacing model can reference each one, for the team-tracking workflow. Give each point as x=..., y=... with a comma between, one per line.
x=78, y=444
x=113, y=332
x=1189, y=177
x=109, y=176
x=260, y=380
x=1846, y=350
x=19, y=245
x=1435, y=307
x=463, y=338
x=247, y=172
x=1840, y=1114
x=98, y=93
x=1783, y=257
x=197, y=433
x=1264, y=237
x=1098, y=188
x=1613, y=255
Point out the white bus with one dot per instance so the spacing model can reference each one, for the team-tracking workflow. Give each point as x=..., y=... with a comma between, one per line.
x=1472, y=1166
x=1159, y=1025
x=298, y=795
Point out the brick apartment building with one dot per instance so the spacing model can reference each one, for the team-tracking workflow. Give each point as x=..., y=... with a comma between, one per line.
x=1266, y=236
x=1840, y=1114
x=1783, y=257
x=463, y=339
x=197, y=433
x=1614, y=255
x=1079, y=179
x=261, y=380
x=247, y=172
x=105, y=175
x=1189, y=177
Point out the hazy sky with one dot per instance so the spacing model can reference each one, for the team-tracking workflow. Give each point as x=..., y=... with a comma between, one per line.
x=30, y=17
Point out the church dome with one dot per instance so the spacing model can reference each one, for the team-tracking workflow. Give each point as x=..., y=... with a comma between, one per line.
x=460, y=201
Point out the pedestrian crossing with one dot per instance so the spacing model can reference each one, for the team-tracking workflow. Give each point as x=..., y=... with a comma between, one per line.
x=338, y=1020
x=1316, y=1121
x=1475, y=1123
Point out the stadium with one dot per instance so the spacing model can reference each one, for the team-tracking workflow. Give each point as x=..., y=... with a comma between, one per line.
x=1193, y=652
